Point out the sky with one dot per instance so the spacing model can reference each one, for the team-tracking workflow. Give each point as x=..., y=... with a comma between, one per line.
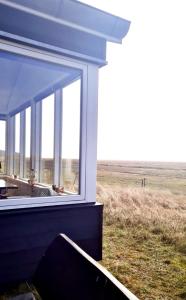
x=142, y=91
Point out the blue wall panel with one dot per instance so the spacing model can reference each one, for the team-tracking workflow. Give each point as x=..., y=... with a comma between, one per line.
x=26, y=233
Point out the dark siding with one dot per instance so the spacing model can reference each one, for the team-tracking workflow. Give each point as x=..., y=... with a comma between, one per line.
x=26, y=233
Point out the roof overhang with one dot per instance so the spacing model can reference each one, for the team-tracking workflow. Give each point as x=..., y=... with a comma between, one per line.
x=67, y=26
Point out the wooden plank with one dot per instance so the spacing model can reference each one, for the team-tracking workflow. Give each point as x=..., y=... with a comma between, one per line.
x=67, y=272
x=68, y=216
x=24, y=242
x=51, y=212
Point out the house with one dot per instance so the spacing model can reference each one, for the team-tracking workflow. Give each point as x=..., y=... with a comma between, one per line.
x=50, y=55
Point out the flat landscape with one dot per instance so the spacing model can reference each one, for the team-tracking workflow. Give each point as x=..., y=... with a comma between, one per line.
x=145, y=226
x=157, y=175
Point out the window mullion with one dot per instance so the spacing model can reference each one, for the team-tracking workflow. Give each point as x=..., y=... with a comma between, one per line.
x=22, y=143
x=57, y=136
x=12, y=144
x=6, y=153
x=8, y=145
x=83, y=133
x=38, y=139
x=33, y=135
x=91, y=133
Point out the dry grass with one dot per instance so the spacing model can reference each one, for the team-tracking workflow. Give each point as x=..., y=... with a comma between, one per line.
x=158, y=211
x=145, y=240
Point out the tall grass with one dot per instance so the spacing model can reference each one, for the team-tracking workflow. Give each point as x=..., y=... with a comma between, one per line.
x=158, y=212
x=145, y=240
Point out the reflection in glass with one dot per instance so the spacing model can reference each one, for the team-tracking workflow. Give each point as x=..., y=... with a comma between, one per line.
x=27, y=142
x=70, y=169
x=17, y=145
x=2, y=146
x=47, y=142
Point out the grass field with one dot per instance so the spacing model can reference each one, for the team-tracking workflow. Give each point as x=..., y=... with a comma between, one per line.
x=158, y=175
x=145, y=228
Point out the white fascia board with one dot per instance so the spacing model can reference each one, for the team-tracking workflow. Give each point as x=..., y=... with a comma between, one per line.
x=55, y=49
x=117, y=32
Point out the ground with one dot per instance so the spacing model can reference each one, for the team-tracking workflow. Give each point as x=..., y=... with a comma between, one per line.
x=145, y=227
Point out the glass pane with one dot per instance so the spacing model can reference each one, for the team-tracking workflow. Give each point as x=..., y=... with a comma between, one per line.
x=2, y=146
x=17, y=145
x=70, y=169
x=47, y=144
x=36, y=150
x=27, y=142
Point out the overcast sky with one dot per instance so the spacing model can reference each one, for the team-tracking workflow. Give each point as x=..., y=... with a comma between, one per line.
x=142, y=92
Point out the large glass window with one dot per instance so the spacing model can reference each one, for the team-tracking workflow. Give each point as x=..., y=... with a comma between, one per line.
x=27, y=166
x=17, y=145
x=44, y=134
x=2, y=145
x=70, y=166
x=47, y=142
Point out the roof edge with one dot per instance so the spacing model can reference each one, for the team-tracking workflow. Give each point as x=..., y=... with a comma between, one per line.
x=121, y=26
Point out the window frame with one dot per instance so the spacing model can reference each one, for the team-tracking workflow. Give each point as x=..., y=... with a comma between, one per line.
x=43, y=55
x=40, y=175
x=5, y=141
x=18, y=143
x=23, y=141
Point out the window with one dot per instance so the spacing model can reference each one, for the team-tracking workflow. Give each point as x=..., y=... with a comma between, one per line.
x=17, y=146
x=2, y=146
x=47, y=136
x=70, y=154
x=47, y=142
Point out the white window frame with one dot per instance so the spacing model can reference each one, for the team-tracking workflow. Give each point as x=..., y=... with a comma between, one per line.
x=14, y=146
x=53, y=200
x=23, y=141
x=5, y=157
